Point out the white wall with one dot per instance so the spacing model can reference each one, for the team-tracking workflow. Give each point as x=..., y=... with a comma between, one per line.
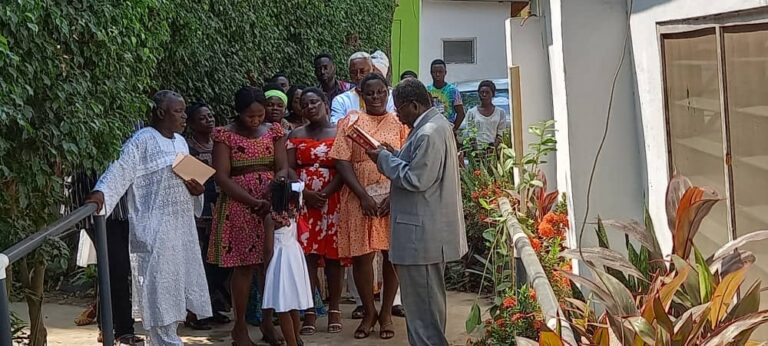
x=585, y=40
x=527, y=48
x=451, y=19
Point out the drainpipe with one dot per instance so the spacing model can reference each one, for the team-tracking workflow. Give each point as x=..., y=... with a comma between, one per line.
x=550, y=307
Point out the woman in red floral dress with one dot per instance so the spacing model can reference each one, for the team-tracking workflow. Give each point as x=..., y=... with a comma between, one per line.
x=309, y=149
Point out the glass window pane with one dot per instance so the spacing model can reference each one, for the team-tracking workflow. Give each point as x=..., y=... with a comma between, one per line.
x=459, y=51
x=746, y=66
x=695, y=129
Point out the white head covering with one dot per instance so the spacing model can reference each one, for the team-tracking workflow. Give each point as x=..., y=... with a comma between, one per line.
x=380, y=62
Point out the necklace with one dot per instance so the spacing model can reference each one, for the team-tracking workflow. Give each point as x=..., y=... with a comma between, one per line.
x=202, y=147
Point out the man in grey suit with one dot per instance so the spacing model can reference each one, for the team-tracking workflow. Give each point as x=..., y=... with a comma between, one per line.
x=426, y=210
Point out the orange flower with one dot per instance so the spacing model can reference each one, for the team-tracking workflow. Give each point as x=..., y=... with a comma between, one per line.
x=532, y=294
x=546, y=230
x=536, y=244
x=477, y=173
x=509, y=302
x=500, y=323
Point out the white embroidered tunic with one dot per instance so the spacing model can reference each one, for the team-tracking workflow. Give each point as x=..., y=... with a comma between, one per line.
x=167, y=266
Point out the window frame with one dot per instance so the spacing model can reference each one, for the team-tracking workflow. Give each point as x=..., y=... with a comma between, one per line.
x=729, y=21
x=473, y=40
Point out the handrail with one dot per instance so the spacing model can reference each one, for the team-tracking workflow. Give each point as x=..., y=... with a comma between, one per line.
x=29, y=244
x=545, y=295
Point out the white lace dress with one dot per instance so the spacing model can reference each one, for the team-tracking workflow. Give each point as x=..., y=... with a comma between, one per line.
x=167, y=267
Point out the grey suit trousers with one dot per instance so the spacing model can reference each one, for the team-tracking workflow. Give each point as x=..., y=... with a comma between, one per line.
x=423, y=292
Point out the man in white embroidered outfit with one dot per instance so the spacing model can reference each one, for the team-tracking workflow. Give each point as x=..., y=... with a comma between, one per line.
x=168, y=275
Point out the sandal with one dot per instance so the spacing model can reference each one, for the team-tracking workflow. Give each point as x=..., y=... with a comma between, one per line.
x=87, y=317
x=362, y=331
x=386, y=331
x=129, y=339
x=308, y=328
x=334, y=327
x=272, y=340
x=358, y=313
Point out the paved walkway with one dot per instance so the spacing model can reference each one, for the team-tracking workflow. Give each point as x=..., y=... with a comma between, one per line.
x=62, y=331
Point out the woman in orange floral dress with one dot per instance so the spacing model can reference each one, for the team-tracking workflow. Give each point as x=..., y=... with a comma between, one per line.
x=364, y=223
x=309, y=149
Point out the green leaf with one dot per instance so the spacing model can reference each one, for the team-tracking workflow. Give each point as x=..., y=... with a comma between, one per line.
x=642, y=328
x=706, y=279
x=691, y=283
x=33, y=26
x=473, y=320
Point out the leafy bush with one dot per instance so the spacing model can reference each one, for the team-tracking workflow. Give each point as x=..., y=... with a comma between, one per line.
x=217, y=46
x=518, y=315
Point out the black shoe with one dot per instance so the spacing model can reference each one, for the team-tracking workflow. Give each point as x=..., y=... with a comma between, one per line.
x=358, y=313
x=398, y=311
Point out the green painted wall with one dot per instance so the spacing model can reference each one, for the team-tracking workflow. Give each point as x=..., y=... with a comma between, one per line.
x=405, y=38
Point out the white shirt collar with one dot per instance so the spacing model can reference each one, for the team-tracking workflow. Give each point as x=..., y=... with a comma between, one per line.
x=421, y=118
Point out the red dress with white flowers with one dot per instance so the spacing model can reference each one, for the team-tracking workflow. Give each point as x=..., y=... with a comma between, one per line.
x=316, y=170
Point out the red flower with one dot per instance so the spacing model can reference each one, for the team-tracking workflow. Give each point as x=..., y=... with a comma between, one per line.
x=477, y=173
x=536, y=244
x=500, y=323
x=475, y=195
x=509, y=302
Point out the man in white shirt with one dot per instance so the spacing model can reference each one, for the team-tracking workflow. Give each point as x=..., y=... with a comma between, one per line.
x=360, y=65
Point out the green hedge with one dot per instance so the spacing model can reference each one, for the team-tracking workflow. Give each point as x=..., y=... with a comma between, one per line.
x=76, y=74
x=254, y=39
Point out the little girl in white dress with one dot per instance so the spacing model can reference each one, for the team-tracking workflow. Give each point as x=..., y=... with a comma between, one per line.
x=287, y=289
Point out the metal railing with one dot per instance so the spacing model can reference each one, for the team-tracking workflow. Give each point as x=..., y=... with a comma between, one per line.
x=24, y=247
x=545, y=295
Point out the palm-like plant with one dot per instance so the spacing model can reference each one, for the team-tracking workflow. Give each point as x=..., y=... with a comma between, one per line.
x=686, y=300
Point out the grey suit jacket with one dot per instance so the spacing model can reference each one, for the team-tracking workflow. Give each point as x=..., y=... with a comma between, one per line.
x=426, y=209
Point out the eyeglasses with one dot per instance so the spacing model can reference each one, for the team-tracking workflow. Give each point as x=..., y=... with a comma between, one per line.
x=397, y=109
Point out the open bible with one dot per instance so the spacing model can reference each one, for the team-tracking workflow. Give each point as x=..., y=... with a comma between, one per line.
x=362, y=138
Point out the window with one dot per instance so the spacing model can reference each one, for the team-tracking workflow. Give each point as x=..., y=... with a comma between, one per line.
x=459, y=51
x=715, y=81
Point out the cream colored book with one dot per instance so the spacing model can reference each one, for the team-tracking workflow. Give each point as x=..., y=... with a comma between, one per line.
x=187, y=167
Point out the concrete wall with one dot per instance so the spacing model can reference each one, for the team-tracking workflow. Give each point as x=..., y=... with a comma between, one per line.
x=585, y=41
x=527, y=48
x=451, y=19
